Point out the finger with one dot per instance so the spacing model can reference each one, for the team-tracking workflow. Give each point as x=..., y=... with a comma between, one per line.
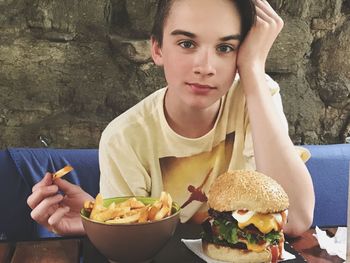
x=46, y=208
x=47, y=180
x=260, y=13
x=66, y=187
x=40, y=194
x=56, y=217
x=267, y=8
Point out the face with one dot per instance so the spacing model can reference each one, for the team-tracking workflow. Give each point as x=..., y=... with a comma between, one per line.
x=199, y=51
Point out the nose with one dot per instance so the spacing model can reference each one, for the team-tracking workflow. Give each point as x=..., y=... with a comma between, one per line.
x=204, y=63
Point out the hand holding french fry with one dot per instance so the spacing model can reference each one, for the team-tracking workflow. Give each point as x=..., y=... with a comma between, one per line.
x=56, y=205
x=129, y=211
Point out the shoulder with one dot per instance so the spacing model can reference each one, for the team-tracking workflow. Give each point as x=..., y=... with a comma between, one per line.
x=134, y=119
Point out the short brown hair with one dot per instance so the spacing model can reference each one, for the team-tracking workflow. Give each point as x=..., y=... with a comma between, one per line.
x=246, y=9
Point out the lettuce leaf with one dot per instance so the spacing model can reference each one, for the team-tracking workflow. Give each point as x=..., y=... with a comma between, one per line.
x=230, y=232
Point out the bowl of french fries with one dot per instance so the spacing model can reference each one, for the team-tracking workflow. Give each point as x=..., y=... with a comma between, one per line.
x=130, y=229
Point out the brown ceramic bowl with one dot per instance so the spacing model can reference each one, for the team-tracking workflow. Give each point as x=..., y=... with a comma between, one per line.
x=134, y=242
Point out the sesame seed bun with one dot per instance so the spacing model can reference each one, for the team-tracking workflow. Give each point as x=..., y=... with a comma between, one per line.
x=247, y=190
x=235, y=255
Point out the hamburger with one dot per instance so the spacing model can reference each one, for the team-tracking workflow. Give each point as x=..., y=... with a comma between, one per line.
x=247, y=212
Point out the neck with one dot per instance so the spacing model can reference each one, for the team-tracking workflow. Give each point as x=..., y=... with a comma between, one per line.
x=191, y=123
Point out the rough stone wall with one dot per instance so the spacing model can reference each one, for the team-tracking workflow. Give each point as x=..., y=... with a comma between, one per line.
x=68, y=67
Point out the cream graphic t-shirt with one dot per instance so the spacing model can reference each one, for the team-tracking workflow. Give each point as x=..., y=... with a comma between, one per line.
x=141, y=155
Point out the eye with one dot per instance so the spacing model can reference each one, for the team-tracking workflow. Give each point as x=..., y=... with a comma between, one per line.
x=225, y=48
x=187, y=44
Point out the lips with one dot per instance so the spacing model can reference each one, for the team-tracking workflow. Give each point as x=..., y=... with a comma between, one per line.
x=200, y=88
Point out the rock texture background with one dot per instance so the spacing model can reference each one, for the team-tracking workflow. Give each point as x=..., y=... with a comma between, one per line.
x=68, y=67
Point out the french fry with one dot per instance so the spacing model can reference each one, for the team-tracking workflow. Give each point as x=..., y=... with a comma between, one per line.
x=98, y=206
x=144, y=214
x=166, y=201
x=162, y=213
x=170, y=204
x=164, y=198
x=154, y=210
x=130, y=210
x=99, y=201
x=129, y=219
x=62, y=172
x=109, y=214
x=137, y=204
x=133, y=203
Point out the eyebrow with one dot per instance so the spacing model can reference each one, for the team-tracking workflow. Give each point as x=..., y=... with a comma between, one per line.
x=177, y=32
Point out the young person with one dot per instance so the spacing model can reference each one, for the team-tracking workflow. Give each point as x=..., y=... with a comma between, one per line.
x=219, y=112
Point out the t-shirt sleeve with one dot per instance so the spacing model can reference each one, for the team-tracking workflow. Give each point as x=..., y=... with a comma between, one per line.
x=303, y=152
x=121, y=172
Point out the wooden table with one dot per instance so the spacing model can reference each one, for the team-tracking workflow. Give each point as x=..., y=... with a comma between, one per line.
x=81, y=250
x=308, y=247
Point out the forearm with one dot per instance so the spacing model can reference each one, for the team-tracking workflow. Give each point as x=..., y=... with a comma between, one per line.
x=274, y=152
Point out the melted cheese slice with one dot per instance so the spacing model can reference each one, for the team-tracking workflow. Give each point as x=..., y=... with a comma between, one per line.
x=264, y=222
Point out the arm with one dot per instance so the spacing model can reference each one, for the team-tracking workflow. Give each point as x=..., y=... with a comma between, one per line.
x=274, y=152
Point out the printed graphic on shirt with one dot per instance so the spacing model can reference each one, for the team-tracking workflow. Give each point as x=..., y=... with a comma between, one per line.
x=197, y=193
x=187, y=179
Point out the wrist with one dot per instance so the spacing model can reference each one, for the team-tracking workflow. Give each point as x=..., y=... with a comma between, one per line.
x=253, y=80
x=252, y=69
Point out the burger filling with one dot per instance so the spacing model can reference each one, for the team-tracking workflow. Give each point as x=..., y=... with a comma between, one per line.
x=245, y=230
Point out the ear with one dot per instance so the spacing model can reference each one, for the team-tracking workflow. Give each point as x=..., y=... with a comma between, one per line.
x=156, y=51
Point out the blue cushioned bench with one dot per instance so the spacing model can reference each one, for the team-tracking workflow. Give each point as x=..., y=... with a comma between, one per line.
x=21, y=168
x=329, y=168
